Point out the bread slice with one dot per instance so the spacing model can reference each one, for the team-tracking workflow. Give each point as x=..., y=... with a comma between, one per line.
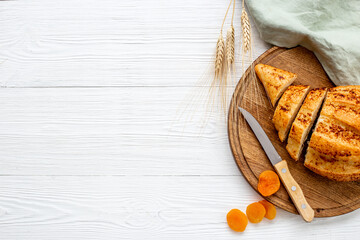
x=275, y=80
x=334, y=147
x=304, y=121
x=287, y=109
x=334, y=169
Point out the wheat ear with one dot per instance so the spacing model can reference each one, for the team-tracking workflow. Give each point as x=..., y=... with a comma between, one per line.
x=230, y=40
x=219, y=59
x=230, y=46
x=246, y=31
x=230, y=59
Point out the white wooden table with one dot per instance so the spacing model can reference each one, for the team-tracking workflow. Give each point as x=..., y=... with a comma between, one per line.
x=88, y=145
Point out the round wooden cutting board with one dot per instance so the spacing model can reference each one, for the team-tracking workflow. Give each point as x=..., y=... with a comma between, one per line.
x=326, y=197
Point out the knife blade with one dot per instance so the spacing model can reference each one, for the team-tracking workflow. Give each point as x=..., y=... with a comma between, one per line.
x=262, y=137
x=281, y=167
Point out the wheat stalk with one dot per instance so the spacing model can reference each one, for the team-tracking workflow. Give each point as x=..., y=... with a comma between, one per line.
x=246, y=31
x=219, y=58
x=220, y=47
x=220, y=73
x=230, y=40
x=223, y=67
x=247, y=47
x=230, y=45
x=218, y=86
x=230, y=61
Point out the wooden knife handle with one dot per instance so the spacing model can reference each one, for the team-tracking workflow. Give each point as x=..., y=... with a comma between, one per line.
x=294, y=191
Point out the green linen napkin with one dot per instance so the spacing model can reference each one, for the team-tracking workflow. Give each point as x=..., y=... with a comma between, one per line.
x=329, y=28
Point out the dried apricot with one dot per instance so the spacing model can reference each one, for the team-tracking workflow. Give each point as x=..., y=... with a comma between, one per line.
x=237, y=220
x=269, y=183
x=255, y=212
x=270, y=209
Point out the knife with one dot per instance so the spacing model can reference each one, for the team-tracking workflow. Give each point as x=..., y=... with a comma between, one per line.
x=281, y=167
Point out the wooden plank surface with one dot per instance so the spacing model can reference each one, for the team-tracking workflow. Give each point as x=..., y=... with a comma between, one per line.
x=154, y=207
x=89, y=145
x=116, y=131
x=109, y=42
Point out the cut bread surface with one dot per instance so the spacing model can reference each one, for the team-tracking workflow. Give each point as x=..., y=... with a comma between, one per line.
x=304, y=121
x=334, y=147
x=275, y=80
x=287, y=109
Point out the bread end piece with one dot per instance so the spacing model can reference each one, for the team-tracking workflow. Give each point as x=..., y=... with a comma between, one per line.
x=274, y=80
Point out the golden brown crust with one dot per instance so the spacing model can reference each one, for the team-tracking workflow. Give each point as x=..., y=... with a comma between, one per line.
x=287, y=109
x=334, y=148
x=275, y=80
x=343, y=104
x=334, y=139
x=332, y=168
x=304, y=121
